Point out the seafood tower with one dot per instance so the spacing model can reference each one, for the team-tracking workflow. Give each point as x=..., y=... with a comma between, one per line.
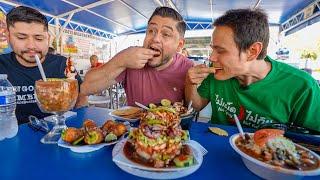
x=158, y=139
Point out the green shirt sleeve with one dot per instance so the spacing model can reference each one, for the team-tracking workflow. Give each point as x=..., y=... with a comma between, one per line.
x=204, y=88
x=306, y=111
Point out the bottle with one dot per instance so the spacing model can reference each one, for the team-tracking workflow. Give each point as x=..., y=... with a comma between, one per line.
x=8, y=120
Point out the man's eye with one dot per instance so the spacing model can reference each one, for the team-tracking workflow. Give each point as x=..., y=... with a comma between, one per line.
x=21, y=37
x=39, y=39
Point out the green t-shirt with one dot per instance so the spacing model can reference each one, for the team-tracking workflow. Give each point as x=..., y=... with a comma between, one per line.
x=285, y=95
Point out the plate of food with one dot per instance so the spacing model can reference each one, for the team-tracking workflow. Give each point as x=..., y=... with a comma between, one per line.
x=179, y=107
x=158, y=146
x=127, y=113
x=90, y=137
x=186, y=113
x=270, y=155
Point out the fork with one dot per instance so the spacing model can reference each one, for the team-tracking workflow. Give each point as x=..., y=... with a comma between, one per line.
x=203, y=150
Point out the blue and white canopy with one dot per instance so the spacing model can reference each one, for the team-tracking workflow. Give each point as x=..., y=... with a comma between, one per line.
x=109, y=18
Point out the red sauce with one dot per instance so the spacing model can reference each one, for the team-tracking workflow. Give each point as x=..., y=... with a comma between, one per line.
x=129, y=152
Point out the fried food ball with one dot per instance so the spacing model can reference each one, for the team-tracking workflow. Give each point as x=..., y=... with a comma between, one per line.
x=119, y=129
x=93, y=136
x=71, y=134
x=108, y=125
x=89, y=124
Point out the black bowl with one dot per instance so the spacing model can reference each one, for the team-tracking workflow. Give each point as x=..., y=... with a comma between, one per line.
x=186, y=121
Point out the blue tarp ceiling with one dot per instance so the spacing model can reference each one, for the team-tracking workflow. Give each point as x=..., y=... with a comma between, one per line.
x=118, y=17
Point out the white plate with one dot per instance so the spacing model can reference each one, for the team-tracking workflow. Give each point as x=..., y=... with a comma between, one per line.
x=154, y=173
x=122, y=118
x=267, y=171
x=84, y=148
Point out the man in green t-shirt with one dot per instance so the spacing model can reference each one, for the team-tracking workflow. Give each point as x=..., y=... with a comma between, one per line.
x=244, y=81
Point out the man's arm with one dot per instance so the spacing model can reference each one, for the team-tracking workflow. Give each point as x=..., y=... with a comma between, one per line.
x=99, y=79
x=198, y=102
x=195, y=76
x=306, y=111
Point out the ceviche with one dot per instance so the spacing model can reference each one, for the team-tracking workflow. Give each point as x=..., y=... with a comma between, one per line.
x=158, y=141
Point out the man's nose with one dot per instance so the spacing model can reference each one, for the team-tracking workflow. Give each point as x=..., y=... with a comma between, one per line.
x=156, y=37
x=213, y=57
x=31, y=43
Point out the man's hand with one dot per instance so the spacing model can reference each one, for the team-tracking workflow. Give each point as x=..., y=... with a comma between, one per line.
x=135, y=57
x=198, y=73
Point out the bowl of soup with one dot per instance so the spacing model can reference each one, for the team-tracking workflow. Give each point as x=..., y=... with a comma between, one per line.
x=275, y=157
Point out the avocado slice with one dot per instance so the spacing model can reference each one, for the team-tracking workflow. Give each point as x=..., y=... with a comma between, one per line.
x=183, y=160
x=185, y=135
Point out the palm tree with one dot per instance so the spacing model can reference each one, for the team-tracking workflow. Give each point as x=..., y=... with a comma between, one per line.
x=308, y=55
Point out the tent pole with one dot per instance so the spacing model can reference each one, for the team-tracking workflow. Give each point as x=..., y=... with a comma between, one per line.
x=56, y=22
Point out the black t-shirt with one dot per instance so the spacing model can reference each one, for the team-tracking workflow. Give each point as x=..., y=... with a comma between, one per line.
x=23, y=79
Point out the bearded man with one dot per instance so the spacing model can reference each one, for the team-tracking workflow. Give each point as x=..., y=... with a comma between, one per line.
x=152, y=72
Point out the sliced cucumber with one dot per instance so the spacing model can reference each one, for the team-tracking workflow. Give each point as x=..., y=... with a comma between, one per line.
x=183, y=160
x=63, y=134
x=166, y=102
x=76, y=142
x=151, y=105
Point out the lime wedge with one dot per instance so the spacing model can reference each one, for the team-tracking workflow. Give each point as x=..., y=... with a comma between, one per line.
x=110, y=137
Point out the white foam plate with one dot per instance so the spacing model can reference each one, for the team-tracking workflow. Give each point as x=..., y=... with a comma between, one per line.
x=122, y=118
x=84, y=148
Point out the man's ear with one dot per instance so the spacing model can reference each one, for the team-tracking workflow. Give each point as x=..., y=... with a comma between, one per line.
x=7, y=35
x=254, y=50
x=181, y=44
x=49, y=36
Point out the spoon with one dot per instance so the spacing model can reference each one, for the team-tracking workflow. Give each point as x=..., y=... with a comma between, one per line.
x=141, y=105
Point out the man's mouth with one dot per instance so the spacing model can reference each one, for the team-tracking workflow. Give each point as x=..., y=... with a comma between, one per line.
x=217, y=69
x=155, y=49
x=31, y=53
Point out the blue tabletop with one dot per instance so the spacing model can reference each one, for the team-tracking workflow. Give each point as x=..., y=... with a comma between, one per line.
x=25, y=157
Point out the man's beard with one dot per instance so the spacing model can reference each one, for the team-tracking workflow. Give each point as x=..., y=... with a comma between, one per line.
x=164, y=60
x=30, y=59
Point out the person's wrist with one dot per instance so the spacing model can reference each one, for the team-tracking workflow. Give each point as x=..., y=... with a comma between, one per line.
x=188, y=83
x=119, y=61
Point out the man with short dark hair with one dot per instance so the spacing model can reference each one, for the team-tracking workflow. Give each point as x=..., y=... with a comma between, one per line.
x=152, y=72
x=247, y=83
x=28, y=36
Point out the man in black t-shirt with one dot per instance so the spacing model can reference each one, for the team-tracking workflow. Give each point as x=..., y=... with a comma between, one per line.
x=28, y=36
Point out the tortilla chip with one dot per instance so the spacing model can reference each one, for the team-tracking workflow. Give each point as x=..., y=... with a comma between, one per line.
x=218, y=131
x=133, y=116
